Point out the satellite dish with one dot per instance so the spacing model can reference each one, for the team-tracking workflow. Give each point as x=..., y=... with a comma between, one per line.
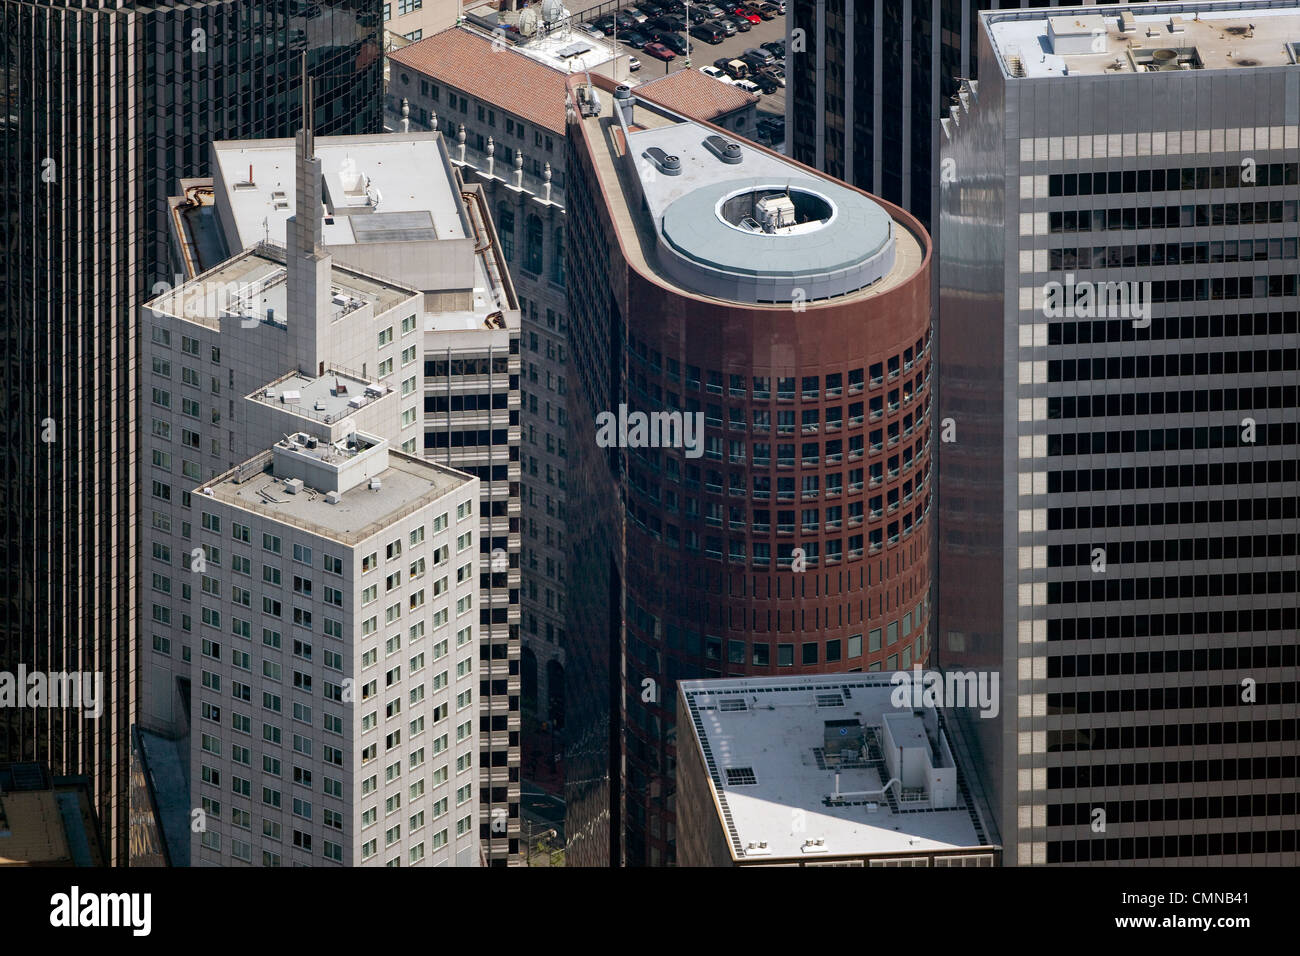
x=552, y=10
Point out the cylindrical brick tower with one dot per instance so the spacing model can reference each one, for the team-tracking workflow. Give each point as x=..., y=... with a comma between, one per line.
x=790, y=315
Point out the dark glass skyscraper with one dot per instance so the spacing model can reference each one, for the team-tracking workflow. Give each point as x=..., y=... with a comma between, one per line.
x=102, y=101
x=866, y=93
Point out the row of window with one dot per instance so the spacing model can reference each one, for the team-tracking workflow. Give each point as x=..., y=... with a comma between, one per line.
x=1223, y=362
x=1199, y=216
x=1160, y=180
x=1170, y=254
x=1185, y=624
x=1175, y=327
x=1172, y=847
x=1177, y=549
x=739, y=386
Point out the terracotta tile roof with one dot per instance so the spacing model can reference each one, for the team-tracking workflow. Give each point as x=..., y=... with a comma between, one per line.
x=515, y=83
x=695, y=95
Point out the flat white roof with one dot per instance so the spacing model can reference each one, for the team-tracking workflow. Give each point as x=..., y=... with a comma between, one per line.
x=767, y=738
x=383, y=188
x=1225, y=35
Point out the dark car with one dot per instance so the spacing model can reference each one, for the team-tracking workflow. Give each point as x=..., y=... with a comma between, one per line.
x=760, y=10
x=651, y=9
x=726, y=25
x=708, y=33
x=755, y=63
x=741, y=24
x=674, y=7
x=633, y=38
x=771, y=128
x=668, y=25
x=659, y=52
x=765, y=83
x=605, y=25
x=775, y=47
x=674, y=41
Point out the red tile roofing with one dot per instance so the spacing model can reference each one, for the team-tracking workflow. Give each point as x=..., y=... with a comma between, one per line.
x=695, y=95
x=516, y=83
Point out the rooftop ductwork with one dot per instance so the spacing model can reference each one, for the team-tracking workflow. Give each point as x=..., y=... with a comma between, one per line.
x=668, y=165
x=726, y=151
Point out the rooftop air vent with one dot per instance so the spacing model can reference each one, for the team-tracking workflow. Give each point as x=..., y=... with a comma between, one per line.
x=291, y=396
x=726, y=151
x=375, y=484
x=333, y=497
x=293, y=485
x=623, y=103
x=668, y=165
x=740, y=776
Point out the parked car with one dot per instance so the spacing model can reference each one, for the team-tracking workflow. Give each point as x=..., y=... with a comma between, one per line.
x=777, y=74
x=775, y=47
x=633, y=64
x=708, y=33
x=668, y=24
x=754, y=63
x=714, y=72
x=765, y=82
x=763, y=56
x=659, y=52
x=780, y=6
x=633, y=38
x=741, y=24
x=761, y=9
x=674, y=7
x=747, y=86
x=713, y=10
x=771, y=127
x=727, y=27
x=592, y=31
x=605, y=25
x=733, y=68
x=766, y=6
x=651, y=9
x=637, y=14
x=675, y=42
x=747, y=14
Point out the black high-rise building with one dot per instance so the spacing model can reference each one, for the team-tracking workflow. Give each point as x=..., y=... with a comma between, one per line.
x=102, y=101
x=872, y=80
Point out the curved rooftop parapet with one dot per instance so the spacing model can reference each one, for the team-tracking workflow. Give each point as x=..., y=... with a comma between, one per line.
x=775, y=239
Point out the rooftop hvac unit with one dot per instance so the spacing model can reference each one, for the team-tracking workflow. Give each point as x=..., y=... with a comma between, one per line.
x=319, y=406
x=775, y=212
x=333, y=497
x=293, y=485
x=356, y=402
x=375, y=484
x=291, y=396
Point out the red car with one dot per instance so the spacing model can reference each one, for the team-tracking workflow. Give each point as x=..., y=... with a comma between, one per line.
x=659, y=52
x=747, y=14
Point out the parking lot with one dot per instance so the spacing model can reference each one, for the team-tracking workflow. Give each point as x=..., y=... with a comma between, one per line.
x=703, y=54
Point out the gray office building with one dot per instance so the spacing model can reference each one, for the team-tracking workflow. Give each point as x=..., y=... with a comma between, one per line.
x=1118, y=477
x=103, y=100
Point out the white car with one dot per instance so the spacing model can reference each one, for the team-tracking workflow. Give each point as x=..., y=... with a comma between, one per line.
x=633, y=64
x=747, y=85
x=717, y=74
